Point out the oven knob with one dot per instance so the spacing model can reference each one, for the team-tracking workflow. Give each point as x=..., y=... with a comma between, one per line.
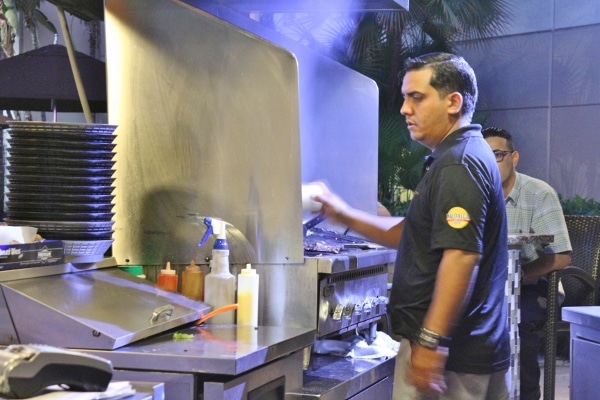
x=380, y=304
x=348, y=311
x=337, y=312
x=358, y=309
x=367, y=306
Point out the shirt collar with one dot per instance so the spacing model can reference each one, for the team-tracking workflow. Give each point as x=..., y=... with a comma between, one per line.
x=515, y=192
x=471, y=130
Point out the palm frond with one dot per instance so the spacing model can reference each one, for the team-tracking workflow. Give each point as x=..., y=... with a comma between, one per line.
x=377, y=44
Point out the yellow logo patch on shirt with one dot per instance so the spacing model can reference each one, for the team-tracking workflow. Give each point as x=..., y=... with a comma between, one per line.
x=458, y=217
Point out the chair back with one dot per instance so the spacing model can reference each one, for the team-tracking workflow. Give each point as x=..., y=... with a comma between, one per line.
x=584, y=233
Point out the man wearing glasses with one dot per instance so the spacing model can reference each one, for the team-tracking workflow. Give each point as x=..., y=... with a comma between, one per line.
x=532, y=206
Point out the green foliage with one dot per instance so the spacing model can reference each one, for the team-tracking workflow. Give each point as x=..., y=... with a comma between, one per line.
x=376, y=44
x=580, y=206
x=400, y=158
x=378, y=47
x=399, y=208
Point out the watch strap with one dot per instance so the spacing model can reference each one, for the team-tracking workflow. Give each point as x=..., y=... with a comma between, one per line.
x=432, y=340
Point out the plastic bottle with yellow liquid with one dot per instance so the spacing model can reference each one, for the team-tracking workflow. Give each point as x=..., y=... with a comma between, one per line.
x=247, y=295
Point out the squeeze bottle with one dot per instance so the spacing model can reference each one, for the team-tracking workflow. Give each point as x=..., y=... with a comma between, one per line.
x=167, y=279
x=192, y=282
x=219, y=284
x=247, y=294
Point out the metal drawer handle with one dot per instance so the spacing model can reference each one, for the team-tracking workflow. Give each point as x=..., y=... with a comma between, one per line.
x=164, y=312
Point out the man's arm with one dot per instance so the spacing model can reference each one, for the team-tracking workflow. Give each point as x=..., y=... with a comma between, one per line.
x=544, y=265
x=383, y=230
x=456, y=276
x=455, y=279
x=548, y=218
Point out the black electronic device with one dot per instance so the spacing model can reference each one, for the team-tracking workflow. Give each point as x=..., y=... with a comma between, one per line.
x=26, y=369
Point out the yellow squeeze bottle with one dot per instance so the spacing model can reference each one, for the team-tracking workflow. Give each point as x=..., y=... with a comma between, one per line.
x=247, y=294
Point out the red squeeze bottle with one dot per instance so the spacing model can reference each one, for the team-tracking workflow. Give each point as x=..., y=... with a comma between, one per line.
x=167, y=279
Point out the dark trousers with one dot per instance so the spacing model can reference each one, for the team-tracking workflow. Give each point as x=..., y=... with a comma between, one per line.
x=531, y=332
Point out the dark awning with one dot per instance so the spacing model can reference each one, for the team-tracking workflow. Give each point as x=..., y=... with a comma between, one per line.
x=32, y=80
x=87, y=10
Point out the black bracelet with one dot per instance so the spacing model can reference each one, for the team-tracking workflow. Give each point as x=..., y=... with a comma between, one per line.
x=431, y=340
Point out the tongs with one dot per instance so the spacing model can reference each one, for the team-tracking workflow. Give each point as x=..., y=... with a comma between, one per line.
x=311, y=223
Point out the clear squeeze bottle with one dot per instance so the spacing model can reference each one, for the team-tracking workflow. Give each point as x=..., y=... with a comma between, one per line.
x=219, y=284
x=247, y=294
x=168, y=279
x=192, y=282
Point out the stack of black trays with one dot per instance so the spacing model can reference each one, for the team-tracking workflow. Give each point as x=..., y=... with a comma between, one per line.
x=59, y=179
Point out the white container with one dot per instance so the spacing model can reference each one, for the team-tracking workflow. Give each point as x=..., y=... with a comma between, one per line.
x=310, y=190
x=219, y=289
x=219, y=284
x=247, y=295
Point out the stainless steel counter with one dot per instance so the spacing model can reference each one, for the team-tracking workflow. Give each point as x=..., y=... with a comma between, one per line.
x=518, y=240
x=334, y=378
x=214, y=349
x=584, y=351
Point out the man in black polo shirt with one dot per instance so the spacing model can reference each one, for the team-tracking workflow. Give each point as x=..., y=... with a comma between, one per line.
x=448, y=302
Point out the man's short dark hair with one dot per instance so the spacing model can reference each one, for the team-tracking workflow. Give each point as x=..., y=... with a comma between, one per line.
x=501, y=133
x=451, y=73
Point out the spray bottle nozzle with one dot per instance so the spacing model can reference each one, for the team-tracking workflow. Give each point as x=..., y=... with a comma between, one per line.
x=217, y=227
x=209, y=230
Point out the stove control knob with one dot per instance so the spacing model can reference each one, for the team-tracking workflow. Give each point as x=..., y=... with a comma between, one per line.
x=337, y=312
x=358, y=309
x=381, y=302
x=348, y=311
x=367, y=306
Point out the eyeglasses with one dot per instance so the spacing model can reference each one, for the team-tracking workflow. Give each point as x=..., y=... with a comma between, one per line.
x=500, y=154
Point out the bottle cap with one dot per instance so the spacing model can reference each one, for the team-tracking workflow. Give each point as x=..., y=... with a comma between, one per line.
x=192, y=267
x=308, y=192
x=221, y=244
x=168, y=270
x=248, y=270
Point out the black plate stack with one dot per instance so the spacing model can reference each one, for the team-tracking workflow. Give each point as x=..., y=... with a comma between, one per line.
x=59, y=178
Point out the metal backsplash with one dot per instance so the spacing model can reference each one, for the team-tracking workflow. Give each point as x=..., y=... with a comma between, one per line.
x=217, y=115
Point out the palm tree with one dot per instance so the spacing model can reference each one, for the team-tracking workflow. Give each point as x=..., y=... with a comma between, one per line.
x=9, y=26
x=376, y=44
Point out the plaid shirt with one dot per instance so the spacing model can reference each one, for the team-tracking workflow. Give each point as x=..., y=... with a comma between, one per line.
x=532, y=206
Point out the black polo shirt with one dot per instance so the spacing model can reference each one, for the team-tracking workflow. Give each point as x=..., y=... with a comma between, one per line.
x=458, y=204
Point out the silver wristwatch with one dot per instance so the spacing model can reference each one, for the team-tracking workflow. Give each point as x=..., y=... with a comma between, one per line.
x=431, y=340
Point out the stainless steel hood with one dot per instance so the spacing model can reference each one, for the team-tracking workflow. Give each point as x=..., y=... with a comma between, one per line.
x=219, y=115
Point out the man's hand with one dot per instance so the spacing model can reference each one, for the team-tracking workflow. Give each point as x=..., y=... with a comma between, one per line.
x=544, y=265
x=426, y=371
x=333, y=207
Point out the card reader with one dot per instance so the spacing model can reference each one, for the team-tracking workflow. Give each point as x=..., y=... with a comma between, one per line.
x=26, y=369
